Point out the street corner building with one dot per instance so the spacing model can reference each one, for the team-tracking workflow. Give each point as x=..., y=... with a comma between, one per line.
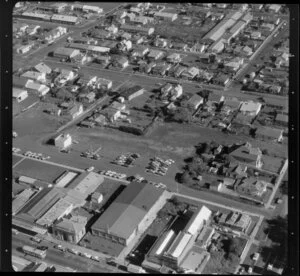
x=130, y=213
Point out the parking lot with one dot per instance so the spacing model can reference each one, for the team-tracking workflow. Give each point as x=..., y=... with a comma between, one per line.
x=38, y=170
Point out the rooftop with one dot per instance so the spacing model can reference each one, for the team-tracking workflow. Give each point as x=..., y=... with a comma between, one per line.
x=129, y=208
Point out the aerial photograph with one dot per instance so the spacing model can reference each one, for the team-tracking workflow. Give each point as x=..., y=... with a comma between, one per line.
x=150, y=137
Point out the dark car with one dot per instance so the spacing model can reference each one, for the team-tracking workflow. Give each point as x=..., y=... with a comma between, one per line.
x=42, y=247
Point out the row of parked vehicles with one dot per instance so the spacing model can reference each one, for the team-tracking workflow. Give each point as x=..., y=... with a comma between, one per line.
x=113, y=174
x=39, y=156
x=76, y=252
x=126, y=159
x=159, y=166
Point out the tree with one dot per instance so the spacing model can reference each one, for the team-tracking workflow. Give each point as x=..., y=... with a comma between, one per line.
x=182, y=115
x=277, y=230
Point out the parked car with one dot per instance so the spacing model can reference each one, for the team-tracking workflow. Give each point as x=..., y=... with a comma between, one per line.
x=36, y=239
x=90, y=169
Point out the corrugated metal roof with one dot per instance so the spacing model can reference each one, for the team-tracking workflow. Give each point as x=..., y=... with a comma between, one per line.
x=162, y=246
x=181, y=245
x=203, y=215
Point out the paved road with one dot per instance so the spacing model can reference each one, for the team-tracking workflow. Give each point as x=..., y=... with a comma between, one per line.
x=277, y=184
x=241, y=72
x=81, y=264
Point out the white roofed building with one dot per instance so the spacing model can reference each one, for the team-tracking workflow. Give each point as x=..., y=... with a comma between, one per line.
x=19, y=94
x=63, y=141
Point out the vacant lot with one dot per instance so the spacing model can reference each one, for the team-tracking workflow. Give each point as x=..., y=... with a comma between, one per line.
x=101, y=245
x=39, y=170
x=35, y=123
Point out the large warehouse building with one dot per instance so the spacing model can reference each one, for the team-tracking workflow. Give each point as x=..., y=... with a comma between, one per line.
x=130, y=213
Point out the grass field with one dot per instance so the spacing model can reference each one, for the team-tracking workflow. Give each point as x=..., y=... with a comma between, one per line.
x=39, y=170
x=16, y=159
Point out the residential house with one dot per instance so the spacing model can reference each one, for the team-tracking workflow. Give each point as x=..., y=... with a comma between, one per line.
x=112, y=29
x=247, y=51
x=166, y=88
x=155, y=54
x=76, y=110
x=176, y=92
x=137, y=39
x=282, y=120
x=63, y=140
x=249, y=155
x=161, y=68
x=221, y=79
x=111, y=114
x=37, y=76
x=105, y=60
x=268, y=26
x=216, y=186
x=19, y=94
x=174, y=58
x=274, y=8
x=194, y=102
x=160, y=42
x=234, y=64
x=121, y=62
x=64, y=76
x=132, y=92
x=255, y=35
x=126, y=35
x=43, y=68
x=89, y=98
x=87, y=81
x=140, y=51
x=70, y=230
x=32, y=30
x=37, y=88
x=215, y=98
x=166, y=16
x=198, y=48
x=252, y=187
x=179, y=46
x=62, y=52
x=22, y=28
x=103, y=83
x=221, y=5
x=135, y=29
x=269, y=133
x=190, y=73
x=24, y=48
x=275, y=89
x=118, y=106
x=250, y=108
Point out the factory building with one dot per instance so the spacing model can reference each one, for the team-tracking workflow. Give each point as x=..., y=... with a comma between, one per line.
x=130, y=213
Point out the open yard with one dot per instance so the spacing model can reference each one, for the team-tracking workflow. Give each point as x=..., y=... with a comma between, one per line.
x=39, y=170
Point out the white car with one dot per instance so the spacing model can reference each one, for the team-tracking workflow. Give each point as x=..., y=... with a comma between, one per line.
x=90, y=169
x=87, y=255
x=250, y=269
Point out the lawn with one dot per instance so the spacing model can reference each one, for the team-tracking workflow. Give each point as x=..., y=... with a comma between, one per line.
x=272, y=164
x=39, y=170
